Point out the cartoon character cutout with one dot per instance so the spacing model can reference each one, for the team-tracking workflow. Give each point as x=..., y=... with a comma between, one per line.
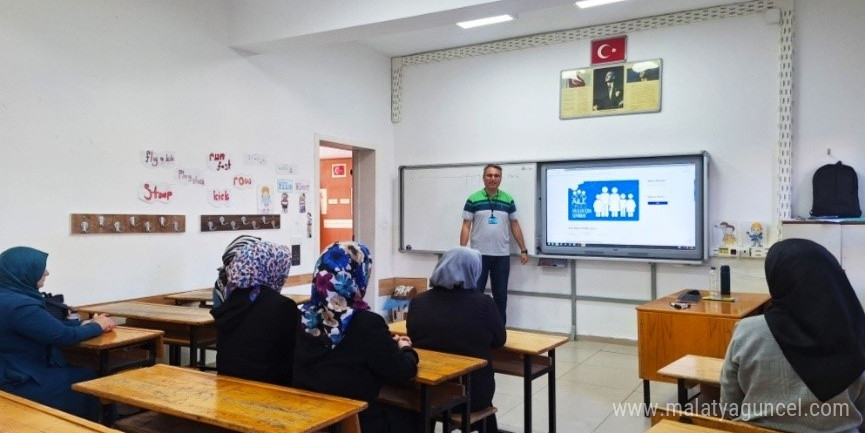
x=265, y=199
x=284, y=202
x=729, y=232
x=756, y=234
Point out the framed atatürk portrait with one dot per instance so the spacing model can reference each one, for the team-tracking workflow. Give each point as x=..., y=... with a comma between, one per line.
x=622, y=88
x=337, y=170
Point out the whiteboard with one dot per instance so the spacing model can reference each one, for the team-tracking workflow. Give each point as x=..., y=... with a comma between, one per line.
x=432, y=199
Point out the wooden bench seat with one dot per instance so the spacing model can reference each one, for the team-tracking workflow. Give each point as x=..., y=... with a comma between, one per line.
x=155, y=422
x=476, y=416
x=692, y=370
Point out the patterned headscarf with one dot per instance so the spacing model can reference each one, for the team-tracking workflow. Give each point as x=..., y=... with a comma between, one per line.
x=227, y=257
x=338, y=285
x=20, y=269
x=262, y=264
x=458, y=268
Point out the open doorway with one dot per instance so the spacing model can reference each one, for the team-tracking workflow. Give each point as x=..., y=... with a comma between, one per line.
x=335, y=188
x=347, y=189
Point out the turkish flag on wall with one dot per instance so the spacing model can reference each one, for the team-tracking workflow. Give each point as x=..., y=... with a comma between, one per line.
x=609, y=50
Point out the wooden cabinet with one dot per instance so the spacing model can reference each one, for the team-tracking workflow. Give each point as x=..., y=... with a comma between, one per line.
x=665, y=334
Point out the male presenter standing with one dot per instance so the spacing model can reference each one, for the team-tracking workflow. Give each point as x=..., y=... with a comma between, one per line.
x=490, y=216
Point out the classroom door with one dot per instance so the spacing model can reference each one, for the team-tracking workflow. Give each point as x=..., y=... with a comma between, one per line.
x=336, y=216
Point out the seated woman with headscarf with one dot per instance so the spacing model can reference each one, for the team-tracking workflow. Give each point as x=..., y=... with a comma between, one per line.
x=227, y=257
x=799, y=367
x=454, y=317
x=31, y=364
x=257, y=325
x=346, y=350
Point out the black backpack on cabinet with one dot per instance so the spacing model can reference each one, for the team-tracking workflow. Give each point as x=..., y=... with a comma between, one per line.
x=836, y=191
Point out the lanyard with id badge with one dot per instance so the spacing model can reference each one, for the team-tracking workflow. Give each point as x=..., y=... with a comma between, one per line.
x=492, y=219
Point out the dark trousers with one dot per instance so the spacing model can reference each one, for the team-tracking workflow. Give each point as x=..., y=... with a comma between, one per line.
x=497, y=268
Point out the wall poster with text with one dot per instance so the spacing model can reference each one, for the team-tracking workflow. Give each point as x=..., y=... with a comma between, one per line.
x=623, y=88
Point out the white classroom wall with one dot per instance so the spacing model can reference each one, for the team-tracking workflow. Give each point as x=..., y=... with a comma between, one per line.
x=828, y=108
x=88, y=84
x=720, y=94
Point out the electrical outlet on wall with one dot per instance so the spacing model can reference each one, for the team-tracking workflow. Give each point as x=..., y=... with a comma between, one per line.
x=729, y=251
x=758, y=251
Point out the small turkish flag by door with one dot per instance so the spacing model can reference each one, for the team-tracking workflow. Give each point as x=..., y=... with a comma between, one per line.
x=609, y=50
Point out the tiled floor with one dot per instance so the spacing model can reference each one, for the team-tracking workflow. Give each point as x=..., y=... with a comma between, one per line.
x=591, y=378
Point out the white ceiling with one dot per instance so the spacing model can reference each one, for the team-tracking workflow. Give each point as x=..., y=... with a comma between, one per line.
x=398, y=36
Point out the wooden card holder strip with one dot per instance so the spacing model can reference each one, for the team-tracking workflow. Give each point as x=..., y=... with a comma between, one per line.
x=221, y=223
x=119, y=224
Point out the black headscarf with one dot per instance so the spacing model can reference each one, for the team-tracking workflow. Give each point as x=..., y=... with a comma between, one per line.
x=815, y=316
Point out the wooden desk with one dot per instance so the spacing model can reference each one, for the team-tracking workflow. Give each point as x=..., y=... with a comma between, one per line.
x=20, y=415
x=117, y=350
x=224, y=401
x=523, y=356
x=183, y=326
x=667, y=426
x=713, y=423
x=203, y=296
x=700, y=369
x=665, y=334
x=435, y=373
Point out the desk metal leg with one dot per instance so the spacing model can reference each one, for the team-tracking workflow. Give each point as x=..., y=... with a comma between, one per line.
x=153, y=350
x=193, y=346
x=425, y=402
x=682, y=391
x=551, y=381
x=646, y=397
x=103, y=362
x=527, y=392
x=467, y=411
x=174, y=354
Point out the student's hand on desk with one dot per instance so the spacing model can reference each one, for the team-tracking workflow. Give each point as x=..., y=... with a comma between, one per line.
x=524, y=258
x=103, y=321
x=402, y=341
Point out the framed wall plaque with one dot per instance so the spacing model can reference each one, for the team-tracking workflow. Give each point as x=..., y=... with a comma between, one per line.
x=623, y=88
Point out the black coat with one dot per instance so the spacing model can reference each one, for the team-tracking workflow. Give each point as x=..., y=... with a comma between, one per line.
x=464, y=322
x=357, y=368
x=256, y=339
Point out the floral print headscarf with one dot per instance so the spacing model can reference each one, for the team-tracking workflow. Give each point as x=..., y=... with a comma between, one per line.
x=257, y=265
x=220, y=292
x=338, y=285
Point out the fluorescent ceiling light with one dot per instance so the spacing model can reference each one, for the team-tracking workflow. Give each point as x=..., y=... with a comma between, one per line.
x=591, y=3
x=485, y=21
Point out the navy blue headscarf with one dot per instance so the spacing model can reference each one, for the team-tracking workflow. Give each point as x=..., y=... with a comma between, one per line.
x=20, y=269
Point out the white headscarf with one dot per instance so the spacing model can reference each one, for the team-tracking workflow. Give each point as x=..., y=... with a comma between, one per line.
x=459, y=268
